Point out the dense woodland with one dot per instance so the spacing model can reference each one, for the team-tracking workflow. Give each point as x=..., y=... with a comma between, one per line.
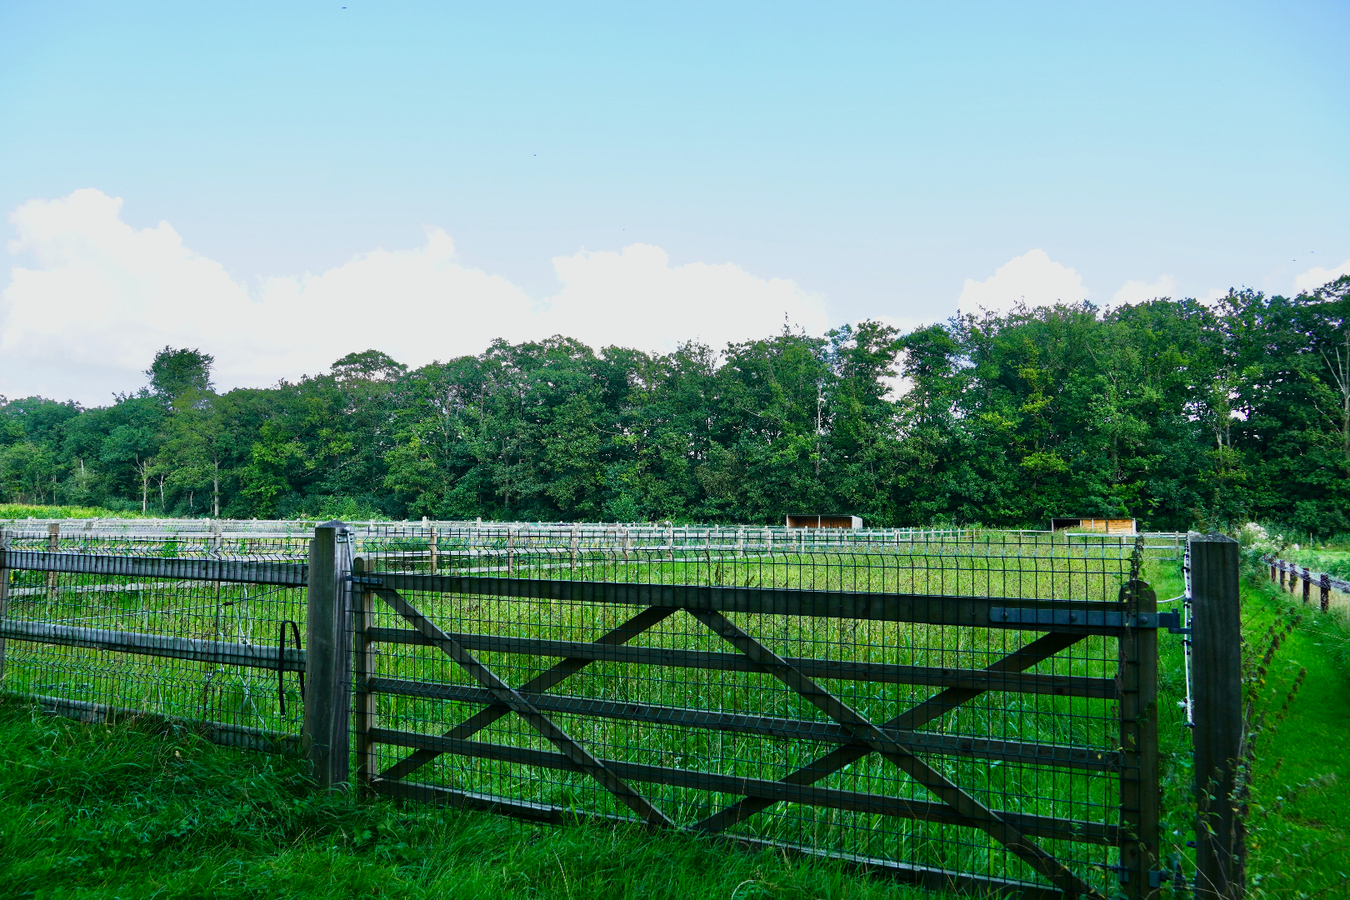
x=1176, y=412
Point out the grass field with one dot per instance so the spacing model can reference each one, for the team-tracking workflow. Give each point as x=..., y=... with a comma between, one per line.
x=28, y=511
x=170, y=814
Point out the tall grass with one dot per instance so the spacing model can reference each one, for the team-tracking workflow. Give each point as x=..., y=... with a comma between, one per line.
x=122, y=812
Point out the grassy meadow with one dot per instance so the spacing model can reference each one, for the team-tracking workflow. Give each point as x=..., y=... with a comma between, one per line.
x=166, y=814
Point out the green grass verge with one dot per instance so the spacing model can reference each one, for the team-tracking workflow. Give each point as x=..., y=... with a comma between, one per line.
x=1299, y=827
x=120, y=812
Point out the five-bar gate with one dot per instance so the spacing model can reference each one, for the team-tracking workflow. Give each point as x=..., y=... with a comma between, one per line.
x=979, y=717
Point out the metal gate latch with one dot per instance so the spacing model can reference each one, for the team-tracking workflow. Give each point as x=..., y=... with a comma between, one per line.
x=1172, y=622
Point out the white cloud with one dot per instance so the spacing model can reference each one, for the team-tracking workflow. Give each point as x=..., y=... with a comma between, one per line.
x=636, y=298
x=1032, y=278
x=1133, y=292
x=1314, y=278
x=97, y=298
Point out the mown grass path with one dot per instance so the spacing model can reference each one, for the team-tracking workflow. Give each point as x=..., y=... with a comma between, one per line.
x=1300, y=823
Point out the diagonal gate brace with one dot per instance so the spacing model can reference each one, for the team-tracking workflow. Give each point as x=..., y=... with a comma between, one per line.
x=505, y=694
x=554, y=675
x=976, y=814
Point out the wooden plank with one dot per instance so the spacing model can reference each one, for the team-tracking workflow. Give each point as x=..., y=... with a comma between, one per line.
x=798, y=729
x=224, y=653
x=364, y=666
x=1216, y=665
x=1138, y=710
x=521, y=809
x=931, y=609
x=939, y=880
x=830, y=798
x=880, y=673
x=190, y=569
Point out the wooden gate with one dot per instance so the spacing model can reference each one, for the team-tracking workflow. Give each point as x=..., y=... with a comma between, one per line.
x=1000, y=743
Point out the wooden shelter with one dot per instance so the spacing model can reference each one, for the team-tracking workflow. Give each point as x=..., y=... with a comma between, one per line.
x=818, y=521
x=1105, y=526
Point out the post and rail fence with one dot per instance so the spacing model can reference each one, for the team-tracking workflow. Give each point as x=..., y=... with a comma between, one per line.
x=959, y=709
x=1327, y=586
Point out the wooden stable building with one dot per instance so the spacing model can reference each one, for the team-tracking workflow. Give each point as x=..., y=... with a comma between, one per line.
x=1105, y=526
x=824, y=522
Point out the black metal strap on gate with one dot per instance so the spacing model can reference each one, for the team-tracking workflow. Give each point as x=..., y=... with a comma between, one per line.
x=281, y=663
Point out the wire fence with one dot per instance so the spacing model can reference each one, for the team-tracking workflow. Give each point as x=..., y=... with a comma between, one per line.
x=868, y=699
x=958, y=707
x=132, y=627
x=299, y=531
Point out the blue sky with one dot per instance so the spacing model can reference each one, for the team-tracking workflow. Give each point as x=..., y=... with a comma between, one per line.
x=824, y=162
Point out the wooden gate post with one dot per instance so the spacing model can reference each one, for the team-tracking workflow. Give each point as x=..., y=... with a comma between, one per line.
x=4, y=596
x=1140, y=802
x=1216, y=666
x=328, y=654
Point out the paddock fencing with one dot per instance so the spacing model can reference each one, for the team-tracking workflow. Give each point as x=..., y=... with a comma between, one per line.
x=1330, y=592
x=963, y=709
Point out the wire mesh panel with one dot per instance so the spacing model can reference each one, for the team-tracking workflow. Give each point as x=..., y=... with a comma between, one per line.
x=166, y=624
x=954, y=706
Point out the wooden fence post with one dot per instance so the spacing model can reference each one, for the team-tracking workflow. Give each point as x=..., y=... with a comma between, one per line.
x=1216, y=664
x=328, y=656
x=1326, y=592
x=1307, y=585
x=53, y=546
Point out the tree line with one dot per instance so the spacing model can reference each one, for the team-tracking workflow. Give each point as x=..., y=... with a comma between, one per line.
x=1176, y=412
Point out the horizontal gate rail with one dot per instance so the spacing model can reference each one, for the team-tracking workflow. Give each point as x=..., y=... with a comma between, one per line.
x=914, y=741
x=777, y=791
x=880, y=673
x=184, y=569
x=225, y=653
x=931, y=878
x=928, y=609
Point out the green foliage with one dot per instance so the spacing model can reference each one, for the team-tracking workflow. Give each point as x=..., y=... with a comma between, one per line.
x=1174, y=412
x=174, y=373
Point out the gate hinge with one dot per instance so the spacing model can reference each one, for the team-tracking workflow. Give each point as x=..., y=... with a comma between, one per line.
x=364, y=579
